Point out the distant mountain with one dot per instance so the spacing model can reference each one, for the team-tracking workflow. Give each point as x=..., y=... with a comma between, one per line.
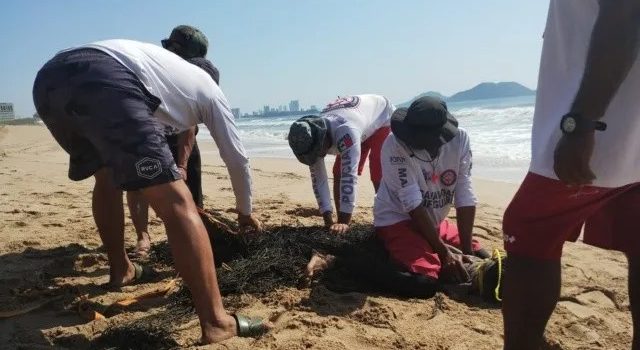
x=492, y=90
x=429, y=93
x=481, y=91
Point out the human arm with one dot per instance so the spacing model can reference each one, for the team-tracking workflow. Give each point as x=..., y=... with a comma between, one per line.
x=464, y=199
x=186, y=140
x=348, y=144
x=613, y=48
x=451, y=263
x=320, y=185
x=465, y=216
x=219, y=120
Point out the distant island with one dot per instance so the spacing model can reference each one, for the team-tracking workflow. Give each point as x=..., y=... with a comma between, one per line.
x=481, y=91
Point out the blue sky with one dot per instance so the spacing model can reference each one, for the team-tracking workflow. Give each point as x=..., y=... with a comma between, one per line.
x=269, y=52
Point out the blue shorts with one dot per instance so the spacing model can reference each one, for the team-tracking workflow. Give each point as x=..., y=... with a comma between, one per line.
x=102, y=116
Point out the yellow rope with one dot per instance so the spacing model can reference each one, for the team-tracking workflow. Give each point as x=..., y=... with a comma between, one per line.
x=480, y=273
x=496, y=253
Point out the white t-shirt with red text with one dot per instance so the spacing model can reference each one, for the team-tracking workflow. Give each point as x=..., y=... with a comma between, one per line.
x=411, y=178
x=351, y=120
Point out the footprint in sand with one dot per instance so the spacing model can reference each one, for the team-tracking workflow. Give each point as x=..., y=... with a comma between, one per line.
x=580, y=311
x=30, y=243
x=375, y=314
x=292, y=176
x=578, y=331
x=597, y=298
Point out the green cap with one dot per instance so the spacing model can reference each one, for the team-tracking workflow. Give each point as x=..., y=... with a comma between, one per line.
x=187, y=42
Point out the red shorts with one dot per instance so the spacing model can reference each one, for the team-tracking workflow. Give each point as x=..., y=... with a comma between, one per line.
x=545, y=213
x=372, y=147
x=407, y=247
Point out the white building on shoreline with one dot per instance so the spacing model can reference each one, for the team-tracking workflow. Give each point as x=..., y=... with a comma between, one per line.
x=6, y=111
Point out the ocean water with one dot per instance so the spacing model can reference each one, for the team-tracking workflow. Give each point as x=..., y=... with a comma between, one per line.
x=500, y=131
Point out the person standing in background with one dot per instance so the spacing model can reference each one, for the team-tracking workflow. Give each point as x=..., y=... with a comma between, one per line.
x=585, y=162
x=191, y=44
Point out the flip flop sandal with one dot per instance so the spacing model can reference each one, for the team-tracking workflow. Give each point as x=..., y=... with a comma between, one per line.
x=137, y=277
x=486, y=276
x=250, y=327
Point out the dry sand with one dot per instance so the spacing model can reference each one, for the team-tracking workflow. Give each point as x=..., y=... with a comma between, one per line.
x=49, y=250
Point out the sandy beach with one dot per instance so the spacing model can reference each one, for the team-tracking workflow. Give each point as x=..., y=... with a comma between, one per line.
x=50, y=252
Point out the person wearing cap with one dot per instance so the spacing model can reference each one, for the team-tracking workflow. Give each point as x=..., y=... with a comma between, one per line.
x=426, y=169
x=106, y=103
x=191, y=44
x=350, y=127
x=584, y=176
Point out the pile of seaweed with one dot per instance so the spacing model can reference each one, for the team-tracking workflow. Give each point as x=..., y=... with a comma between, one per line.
x=260, y=263
x=275, y=258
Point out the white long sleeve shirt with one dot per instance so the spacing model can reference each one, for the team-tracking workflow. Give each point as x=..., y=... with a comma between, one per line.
x=411, y=178
x=351, y=120
x=188, y=96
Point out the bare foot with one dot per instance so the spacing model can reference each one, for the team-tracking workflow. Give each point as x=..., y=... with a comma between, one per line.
x=226, y=329
x=215, y=334
x=116, y=282
x=143, y=246
x=318, y=263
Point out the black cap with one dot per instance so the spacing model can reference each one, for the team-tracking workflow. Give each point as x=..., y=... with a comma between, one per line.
x=426, y=124
x=187, y=42
x=306, y=138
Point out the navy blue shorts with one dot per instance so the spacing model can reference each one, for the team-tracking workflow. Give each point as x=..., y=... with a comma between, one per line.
x=102, y=115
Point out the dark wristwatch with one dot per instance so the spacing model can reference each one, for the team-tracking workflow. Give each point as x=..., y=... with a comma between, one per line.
x=574, y=124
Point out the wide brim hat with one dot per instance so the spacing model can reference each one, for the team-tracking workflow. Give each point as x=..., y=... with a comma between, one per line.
x=426, y=124
x=306, y=138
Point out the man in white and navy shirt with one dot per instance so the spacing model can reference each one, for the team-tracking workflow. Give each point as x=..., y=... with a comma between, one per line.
x=107, y=104
x=351, y=128
x=426, y=168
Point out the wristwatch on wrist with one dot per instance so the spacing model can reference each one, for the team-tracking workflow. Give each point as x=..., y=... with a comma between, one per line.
x=574, y=124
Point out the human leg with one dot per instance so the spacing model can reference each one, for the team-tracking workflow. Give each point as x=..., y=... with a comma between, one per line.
x=543, y=215
x=139, y=212
x=618, y=219
x=634, y=298
x=409, y=249
x=531, y=289
x=450, y=235
x=108, y=214
x=56, y=98
x=192, y=256
x=194, y=176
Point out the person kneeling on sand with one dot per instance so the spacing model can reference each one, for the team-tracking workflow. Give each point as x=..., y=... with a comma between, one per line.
x=350, y=127
x=426, y=165
x=426, y=168
x=107, y=103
